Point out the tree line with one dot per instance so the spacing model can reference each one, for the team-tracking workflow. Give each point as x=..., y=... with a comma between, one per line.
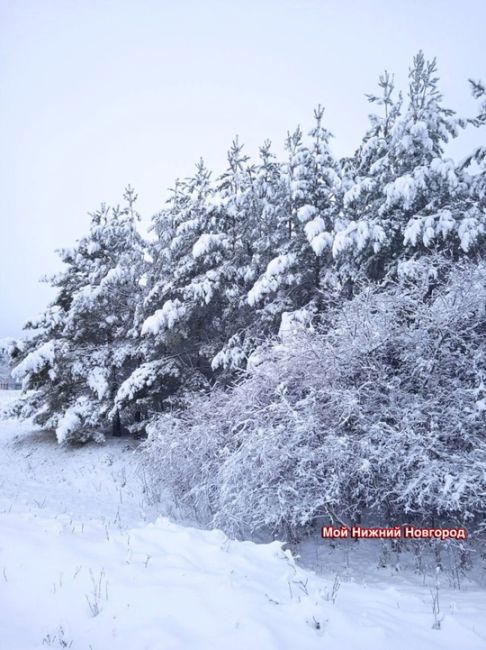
x=300, y=338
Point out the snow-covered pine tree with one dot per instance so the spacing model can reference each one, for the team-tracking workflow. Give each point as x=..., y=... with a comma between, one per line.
x=406, y=199
x=251, y=198
x=84, y=345
x=294, y=277
x=179, y=332
x=475, y=163
x=222, y=237
x=359, y=232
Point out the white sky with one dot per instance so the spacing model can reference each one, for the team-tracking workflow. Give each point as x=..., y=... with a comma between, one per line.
x=98, y=94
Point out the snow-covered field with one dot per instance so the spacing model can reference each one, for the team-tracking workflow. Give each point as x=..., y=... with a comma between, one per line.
x=86, y=564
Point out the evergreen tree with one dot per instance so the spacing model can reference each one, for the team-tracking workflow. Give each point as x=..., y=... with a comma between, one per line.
x=293, y=278
x=406, y=199
x=84, y=345
x=178, y=329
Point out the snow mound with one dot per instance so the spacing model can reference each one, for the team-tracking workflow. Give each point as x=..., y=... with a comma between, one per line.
x=160, y=586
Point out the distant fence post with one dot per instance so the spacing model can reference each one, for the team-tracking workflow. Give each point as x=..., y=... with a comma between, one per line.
x=9, y=384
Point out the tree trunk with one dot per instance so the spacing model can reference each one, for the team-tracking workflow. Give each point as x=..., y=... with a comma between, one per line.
x=116, y=425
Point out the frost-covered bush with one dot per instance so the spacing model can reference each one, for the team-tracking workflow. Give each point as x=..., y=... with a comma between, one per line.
x=382, y=410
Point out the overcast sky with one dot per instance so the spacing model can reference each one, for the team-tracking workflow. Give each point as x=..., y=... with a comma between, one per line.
x=95, y=95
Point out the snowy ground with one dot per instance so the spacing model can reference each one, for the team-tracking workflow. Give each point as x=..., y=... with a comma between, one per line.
x=81, y=566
